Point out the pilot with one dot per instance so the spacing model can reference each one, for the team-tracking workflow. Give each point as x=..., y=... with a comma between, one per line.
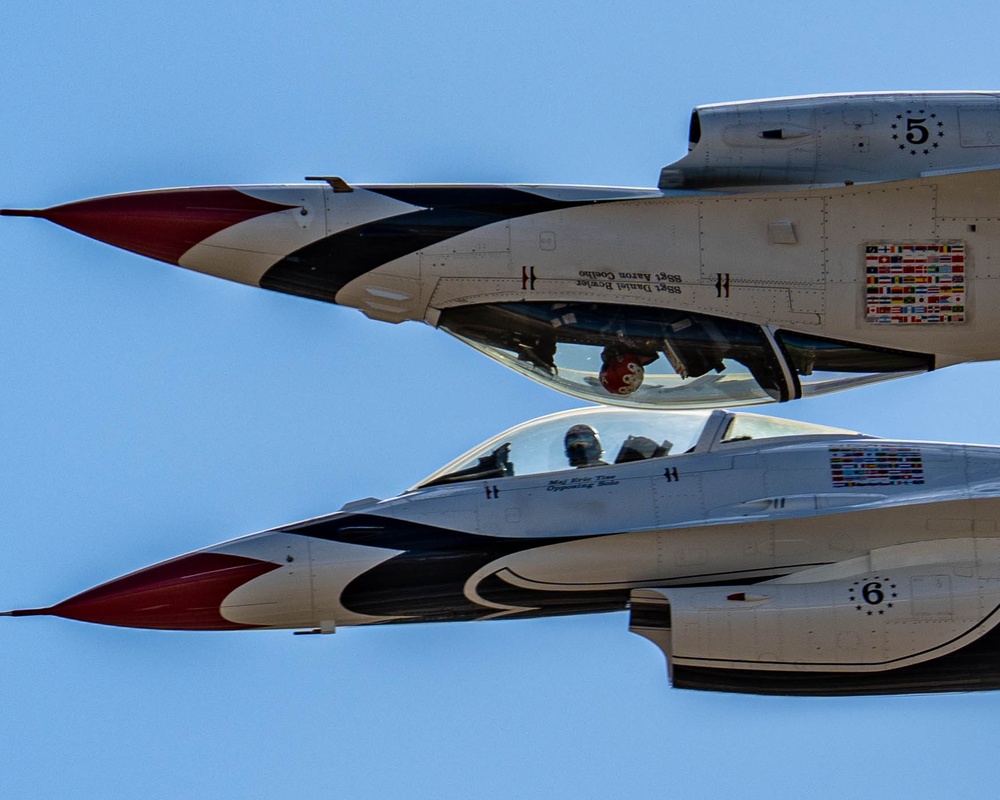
x=583, y=448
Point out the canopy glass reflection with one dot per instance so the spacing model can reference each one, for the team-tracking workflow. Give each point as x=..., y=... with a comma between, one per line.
x=657, y=357
x=622, y=436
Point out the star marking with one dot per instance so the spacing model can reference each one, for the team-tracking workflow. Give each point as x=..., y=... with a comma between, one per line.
x=900, y=116
x=935, y=144
x=895, y=136
x=926, y=152
x=913, y=152
x=894, y=126
x=934, y=116
x=902, y=147
x=869, y=613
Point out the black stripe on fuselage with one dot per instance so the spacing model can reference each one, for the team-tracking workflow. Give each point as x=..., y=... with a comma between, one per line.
x=426, y=581
x=321, y=269
x=975, y=667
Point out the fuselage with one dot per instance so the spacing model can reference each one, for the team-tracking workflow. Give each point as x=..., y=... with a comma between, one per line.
x=802, y=246
x=735, y=505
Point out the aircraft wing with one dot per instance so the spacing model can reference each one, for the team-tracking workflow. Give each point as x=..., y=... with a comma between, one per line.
x=918, y=617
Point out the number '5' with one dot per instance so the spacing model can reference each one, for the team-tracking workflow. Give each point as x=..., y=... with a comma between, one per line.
x=916, y=133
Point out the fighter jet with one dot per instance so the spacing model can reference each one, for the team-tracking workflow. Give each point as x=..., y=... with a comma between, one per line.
x=760, y=555
x=803, y=245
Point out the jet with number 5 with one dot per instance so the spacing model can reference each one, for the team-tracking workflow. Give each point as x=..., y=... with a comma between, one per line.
x=803, y=245
x=760, y=555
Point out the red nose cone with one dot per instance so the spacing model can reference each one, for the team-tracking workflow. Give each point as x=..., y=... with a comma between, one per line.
x=162, y=224
x=182, y=594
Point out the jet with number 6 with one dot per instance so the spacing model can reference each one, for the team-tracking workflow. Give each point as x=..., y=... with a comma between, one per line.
x=760, y=555
x=803, y=245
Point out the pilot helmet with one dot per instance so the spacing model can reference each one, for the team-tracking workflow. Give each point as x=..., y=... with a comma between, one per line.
x=622, y=373
x=582, y=446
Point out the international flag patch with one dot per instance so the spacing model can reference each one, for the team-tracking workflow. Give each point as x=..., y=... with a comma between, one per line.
x=875, y=465
x=910, y=284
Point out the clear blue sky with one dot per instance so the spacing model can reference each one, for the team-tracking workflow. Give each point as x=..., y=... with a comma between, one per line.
x=148, y=410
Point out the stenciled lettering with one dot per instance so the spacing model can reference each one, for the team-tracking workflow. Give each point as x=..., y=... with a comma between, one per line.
x=634, y=276
x=596, y=274
x=635, y=287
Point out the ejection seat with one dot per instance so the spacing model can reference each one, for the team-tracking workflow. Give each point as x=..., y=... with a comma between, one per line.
x=639, y=448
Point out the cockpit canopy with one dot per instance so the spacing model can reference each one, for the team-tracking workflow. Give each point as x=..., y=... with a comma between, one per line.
x=540, y=446
x=641, y=356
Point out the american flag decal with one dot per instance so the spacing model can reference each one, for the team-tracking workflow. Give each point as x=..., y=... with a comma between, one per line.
x=875, y=465
x=909, y=284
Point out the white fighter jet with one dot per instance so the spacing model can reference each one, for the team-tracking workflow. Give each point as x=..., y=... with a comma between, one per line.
x=803, y=245
x=760, y=555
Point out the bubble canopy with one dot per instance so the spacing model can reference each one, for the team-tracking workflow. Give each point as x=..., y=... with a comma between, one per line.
x=625, y=435
x=686, y=359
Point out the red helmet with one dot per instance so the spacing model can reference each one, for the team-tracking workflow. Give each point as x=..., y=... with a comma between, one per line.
x=622, y=374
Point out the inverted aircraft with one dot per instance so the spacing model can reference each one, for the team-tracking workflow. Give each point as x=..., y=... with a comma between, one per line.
x=760, y=555
x=803, y=245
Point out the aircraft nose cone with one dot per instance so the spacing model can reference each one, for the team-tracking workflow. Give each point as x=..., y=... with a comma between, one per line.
x=181, y=594
x=162, y=224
